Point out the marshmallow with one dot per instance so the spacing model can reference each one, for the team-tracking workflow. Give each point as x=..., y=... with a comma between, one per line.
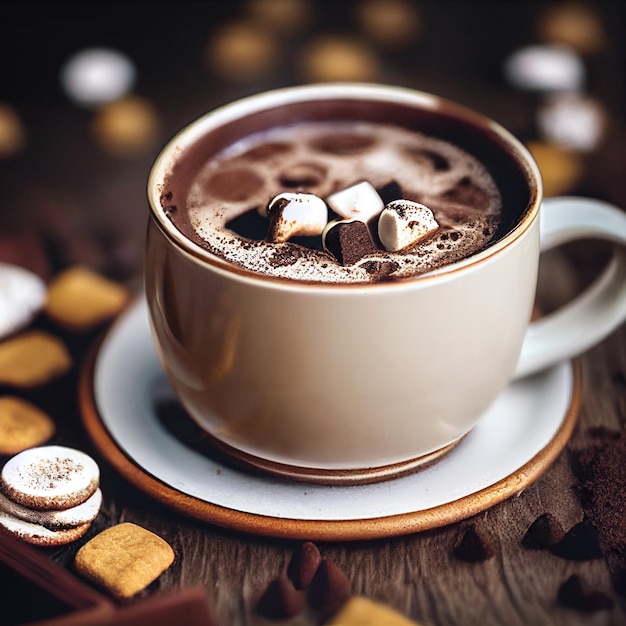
x=403, y=223
x=348, y=240
x=360, y=201
x=296, y=214
x=22, y=296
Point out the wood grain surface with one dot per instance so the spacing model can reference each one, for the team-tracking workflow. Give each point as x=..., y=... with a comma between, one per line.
x=67, y=201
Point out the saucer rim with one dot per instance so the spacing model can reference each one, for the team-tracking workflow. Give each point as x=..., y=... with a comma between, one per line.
x=311, y=529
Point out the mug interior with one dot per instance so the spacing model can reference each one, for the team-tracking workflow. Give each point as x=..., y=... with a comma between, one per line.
x=510, y=164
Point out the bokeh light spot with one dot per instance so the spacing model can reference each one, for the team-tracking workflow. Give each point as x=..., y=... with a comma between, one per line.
x=545, y=68
x=126, y=127
x=97, y=76
x=12, y=132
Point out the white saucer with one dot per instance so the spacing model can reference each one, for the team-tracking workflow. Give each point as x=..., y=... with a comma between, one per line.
x=515, y=442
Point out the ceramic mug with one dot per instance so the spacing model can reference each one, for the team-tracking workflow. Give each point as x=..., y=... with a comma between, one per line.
x=361, y=382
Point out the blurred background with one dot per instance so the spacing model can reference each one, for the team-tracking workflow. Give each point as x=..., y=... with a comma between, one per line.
x=89, y=92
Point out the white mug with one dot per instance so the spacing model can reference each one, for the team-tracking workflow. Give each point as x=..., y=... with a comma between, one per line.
x=361, y=382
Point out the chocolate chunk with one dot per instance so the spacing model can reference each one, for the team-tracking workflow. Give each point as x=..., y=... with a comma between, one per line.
x=576, y=594
x=303, y=565
x=349, y=242
x=580, y=543
x=329, y=589
x=474, y=546
x=281, y=600
x=543, y=533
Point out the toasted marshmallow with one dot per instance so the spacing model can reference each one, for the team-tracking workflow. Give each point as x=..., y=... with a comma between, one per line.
x=403, y=223
x=292, y=214
x=360, y=201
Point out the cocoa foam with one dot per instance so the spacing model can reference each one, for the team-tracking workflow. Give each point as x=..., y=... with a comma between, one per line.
x=323, y=158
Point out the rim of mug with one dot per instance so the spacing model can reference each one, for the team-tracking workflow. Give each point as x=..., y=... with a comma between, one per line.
x=247, y=105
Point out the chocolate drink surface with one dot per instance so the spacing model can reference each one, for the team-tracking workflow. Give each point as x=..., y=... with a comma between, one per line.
x=218, y=197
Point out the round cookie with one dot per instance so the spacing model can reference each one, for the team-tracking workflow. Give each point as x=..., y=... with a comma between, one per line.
x=22, y=425
x=78, y=515
x=40, y=535
x=50, y=478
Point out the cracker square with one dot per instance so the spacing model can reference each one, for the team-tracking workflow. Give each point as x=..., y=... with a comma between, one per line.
x=22, y=425
x=79, y=298
x=33, y=358
x=124, y=559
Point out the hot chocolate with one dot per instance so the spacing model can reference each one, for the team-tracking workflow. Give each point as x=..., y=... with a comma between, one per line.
x=219, y=198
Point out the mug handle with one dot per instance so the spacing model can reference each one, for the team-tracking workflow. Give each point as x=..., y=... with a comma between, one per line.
x=601, y=308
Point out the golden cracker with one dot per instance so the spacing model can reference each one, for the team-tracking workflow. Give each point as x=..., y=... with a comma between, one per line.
x=80, y=299
x=124, y=559
x=22, y=425
x=33, y=358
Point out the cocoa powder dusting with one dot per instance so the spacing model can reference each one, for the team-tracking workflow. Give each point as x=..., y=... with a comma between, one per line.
x=601, y=470
x=48, y=474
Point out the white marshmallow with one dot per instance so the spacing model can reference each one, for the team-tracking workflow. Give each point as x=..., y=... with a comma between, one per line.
x=360, y=201
x=296, y=214
x=403, y=223
x=22, y=295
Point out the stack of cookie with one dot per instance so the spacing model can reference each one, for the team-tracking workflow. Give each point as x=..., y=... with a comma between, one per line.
x=49, y=495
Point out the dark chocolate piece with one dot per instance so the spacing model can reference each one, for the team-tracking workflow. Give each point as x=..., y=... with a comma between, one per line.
x=329, y=589
x=349, y=241
x=281, y=600
x=580, y=543
x=543, y=533
x=576, y=594
x=303, y=565
x=474, y=546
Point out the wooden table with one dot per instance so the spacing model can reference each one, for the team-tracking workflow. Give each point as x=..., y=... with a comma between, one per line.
x=66, y=202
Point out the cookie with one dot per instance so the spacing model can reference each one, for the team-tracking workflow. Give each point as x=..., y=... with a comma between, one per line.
x=40, y=535
x=22, y=425
x=124, y=559
x=80, y=299
x=50, y=477
x=33, y=358
x=78, y=515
